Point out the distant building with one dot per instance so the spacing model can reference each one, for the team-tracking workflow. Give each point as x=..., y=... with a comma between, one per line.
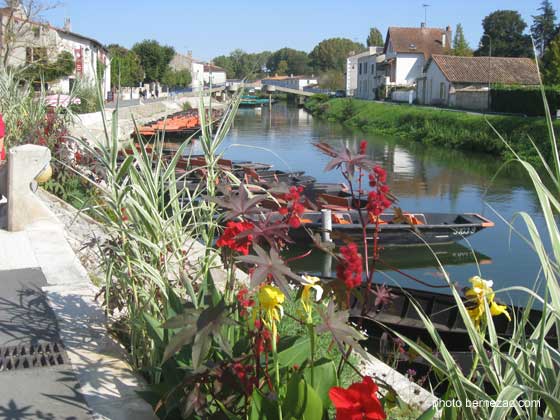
x=291, y=82
x=463, y=82
x=407, y=50
x=214, y=75
x=352, y=72
x=195, y=67
x=367, y=72
x=34, y=41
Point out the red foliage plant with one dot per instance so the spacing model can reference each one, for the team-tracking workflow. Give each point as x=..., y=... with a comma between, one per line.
x=230, y=238
x=358, y=402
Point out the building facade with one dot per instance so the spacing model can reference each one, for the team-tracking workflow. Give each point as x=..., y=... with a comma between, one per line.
x=24, y=42
x=351, y=74
x=214, y=75
x=464, y=82
x=367, y=73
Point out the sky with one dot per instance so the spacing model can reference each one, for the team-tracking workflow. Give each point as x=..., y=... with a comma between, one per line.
x=216, y=27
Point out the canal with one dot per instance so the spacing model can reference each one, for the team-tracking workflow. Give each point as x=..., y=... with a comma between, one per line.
x=423, y=179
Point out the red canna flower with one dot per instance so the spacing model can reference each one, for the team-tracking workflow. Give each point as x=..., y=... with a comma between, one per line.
x=244, y=301
x=363, y=147
x=349, y=269
x=231, y=240
x=358, y=402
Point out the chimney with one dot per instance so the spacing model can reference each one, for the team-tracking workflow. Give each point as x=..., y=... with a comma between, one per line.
x=444, y=39
x=67, y=25
x=189, y=53
x=423, y=24
x=448, y=28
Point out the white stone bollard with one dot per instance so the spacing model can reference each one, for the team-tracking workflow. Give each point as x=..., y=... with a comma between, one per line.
x=327, y=225
x=25, y=163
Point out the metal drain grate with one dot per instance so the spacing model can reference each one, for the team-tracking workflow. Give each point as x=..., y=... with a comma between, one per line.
x=32, y=356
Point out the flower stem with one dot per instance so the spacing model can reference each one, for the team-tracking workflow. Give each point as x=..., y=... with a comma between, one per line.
x=276, y=369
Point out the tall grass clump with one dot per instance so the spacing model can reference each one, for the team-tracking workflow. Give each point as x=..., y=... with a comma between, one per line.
x=445, y=128
x=519, y=376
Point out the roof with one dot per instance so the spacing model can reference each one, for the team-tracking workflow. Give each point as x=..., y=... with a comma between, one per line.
x=507, y=70
x=6, y=11
x=428, y=41
x=211, y=67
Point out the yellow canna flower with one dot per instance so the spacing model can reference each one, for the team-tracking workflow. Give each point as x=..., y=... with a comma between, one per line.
x=482, y=290
x=270, y=302
x=497, y=309
x=310, y=282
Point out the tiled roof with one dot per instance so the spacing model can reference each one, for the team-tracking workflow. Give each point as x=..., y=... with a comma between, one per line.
x=211, y=67
x=418, y=40
x=507, y=70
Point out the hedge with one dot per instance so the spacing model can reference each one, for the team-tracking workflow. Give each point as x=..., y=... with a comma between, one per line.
x=524, y=100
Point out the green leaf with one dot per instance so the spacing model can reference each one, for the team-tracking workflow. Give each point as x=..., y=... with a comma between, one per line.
x=183, y=337
x=324, y=378
x=262, y=408
x=302, y=402
x=155, y=331
x=296, y=354
x=428, y=414
x=201, y=347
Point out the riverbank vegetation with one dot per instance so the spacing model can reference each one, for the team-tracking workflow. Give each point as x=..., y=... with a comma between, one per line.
x=435, y=127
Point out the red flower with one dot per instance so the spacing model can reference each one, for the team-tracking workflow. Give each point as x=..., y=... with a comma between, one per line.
x=244, y=301
x=358, y=402
x=349, y=268
x=294, y=222
x=124, y=216
x=363, y=147
x=230, y=237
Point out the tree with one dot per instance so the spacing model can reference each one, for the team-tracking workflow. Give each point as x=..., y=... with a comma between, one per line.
x=154, y=58
x=288, y=61
x=460, y=44
x=331, y=54
x=126, y=68
x=374, y=39
x=505, y=29
x=332, y=80
x=544, y=26
x=551, y=62
x=240, y=64
x=21, y=20
x=177, y=78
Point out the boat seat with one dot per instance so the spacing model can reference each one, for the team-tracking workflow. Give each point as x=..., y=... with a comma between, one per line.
x=341, y=219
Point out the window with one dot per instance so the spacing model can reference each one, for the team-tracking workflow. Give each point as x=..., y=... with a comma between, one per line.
x=372, y=68
x=360, y=68
x=442, y=91
x=365, y=68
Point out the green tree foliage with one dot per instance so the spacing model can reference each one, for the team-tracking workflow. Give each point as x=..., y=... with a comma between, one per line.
x=288, y=61
x=126, y=69
x=155, y=58
x=551, y=62
x=544, y=26
x=460, y=44
x=374, y=39
x=240, y=64
x=332, y=80
x=505, y=28
x=177, y=78
x=63, y=66
x=331, y=54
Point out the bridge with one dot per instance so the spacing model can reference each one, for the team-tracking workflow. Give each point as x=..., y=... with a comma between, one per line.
x=276, y=88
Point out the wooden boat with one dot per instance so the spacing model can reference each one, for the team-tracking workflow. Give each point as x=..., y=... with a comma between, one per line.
x=401, y=316
x=253, y=101
x=422, y=228
x=181, y=124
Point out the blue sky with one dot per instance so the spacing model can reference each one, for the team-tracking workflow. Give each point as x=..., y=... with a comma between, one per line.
x=214, y=27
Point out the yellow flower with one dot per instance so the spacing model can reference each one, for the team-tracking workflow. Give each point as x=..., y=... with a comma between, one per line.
x=496, y=309
x=482, y=290
x=310, y=282
x=270, y=302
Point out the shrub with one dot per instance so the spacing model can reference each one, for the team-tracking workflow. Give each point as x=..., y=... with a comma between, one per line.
x=524, y=100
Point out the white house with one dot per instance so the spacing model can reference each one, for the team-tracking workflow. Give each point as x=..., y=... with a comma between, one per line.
x=33, y=41
x=214, y=75
x=352, y=72
x=291, y=82
x=408, y=49
x=195, y=67
x=463, y=82
x=367, y=73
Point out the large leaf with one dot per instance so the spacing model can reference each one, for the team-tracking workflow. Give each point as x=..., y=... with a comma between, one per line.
x=182, y=338
x=262, y=408
x=296, y=354
x=155, y=331
x=322, y=377
x=302, y=402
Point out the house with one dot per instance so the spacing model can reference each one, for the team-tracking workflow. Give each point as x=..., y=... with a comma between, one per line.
x=24, y=42
x=195, y=67
x=352, y=72
x=367, y=72
x=463, y=82
x=214, y=75
x=407, y=50
x=291, y=82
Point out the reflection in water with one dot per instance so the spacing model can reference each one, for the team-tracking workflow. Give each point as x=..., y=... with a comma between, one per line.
x=423, y=179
